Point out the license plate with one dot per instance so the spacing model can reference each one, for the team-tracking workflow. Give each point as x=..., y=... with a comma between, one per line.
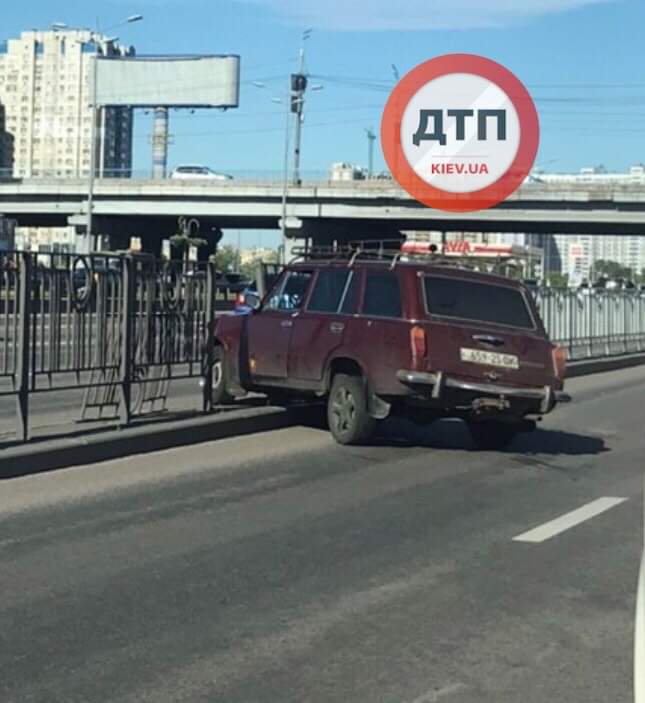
x=490, y=358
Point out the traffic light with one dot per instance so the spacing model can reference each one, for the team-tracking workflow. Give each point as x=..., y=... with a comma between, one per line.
x=298, y=82
x=298, y=87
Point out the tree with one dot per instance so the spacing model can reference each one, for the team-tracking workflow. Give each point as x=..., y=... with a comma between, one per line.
x=227, y=258
x=249, y=268
x=558, y=280
x=612, y=269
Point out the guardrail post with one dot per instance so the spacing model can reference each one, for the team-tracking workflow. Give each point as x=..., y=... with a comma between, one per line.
x=24, y=327
x=127, y=319
x=209, y=320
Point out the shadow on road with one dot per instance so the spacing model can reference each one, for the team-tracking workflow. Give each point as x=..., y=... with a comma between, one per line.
x=453, y=434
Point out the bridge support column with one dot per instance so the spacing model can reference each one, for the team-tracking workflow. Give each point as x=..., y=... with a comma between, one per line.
x=160, y=144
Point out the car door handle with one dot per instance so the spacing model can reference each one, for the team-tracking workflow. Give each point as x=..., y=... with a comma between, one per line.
x=336, y=327
x=286, y=323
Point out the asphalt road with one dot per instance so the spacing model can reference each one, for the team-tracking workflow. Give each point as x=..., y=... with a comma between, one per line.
x=283, y=568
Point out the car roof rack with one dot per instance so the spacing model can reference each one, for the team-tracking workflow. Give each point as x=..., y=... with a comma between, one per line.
x=387, y=251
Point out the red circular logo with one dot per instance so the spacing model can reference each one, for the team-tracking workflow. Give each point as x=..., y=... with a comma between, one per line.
x=460, y=133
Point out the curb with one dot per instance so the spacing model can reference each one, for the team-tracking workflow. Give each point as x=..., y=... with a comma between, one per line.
x=114, y=444
x=587, y=367
x=73, y=451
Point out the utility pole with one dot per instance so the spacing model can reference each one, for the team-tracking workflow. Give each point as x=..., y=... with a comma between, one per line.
x=298, y=90
x=89, y=224
x=371, y=138
x=97, y=39
x=299, y=83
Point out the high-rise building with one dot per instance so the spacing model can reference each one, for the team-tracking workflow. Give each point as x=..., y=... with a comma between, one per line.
x=6, y=152
x=46, y=89
x=580, y=252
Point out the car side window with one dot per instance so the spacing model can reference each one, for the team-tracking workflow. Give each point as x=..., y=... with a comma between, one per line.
x=290, y=294
x=382, y=295
x=328, y=291
x=348, y=306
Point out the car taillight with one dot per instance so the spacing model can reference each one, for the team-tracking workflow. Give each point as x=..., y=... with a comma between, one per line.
x=559, y=355
x=418, y=343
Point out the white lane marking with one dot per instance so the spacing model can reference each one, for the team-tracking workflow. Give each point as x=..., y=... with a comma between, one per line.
x=437, y=694
x=639, y=638
x=569, y=520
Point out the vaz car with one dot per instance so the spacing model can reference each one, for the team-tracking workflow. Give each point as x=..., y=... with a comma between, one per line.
x=375, y=337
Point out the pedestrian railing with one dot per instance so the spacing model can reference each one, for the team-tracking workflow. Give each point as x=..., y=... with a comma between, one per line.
x=122, y=327
x=594, y=323
x=119, y=327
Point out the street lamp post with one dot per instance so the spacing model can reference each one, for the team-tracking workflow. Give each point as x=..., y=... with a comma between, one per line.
x=91, y=175
x=371, y=138
x=285, y=184
x=94, y=38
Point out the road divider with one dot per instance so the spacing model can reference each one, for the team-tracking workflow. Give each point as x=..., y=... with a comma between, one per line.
x=73, y=451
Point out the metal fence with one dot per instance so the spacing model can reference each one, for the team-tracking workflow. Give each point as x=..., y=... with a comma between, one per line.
x=594, y=323
x=119, y=327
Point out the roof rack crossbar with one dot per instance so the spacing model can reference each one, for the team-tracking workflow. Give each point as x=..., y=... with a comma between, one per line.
x=376, y=251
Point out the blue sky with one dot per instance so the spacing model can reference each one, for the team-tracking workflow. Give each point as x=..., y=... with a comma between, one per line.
x=583, y=61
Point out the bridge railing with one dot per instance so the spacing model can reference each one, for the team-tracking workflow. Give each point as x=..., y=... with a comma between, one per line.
x=596, y=323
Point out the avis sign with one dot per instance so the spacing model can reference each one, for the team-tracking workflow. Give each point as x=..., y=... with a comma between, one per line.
x=460, y=133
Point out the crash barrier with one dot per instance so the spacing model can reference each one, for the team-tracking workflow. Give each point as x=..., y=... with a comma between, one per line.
x=592, y=324
x=118, y=326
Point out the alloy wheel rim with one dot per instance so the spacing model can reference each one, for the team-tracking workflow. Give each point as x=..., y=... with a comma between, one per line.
x=217, y=374
x=343, y=410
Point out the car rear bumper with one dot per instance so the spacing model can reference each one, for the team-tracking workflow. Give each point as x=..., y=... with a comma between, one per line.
x=544, y=398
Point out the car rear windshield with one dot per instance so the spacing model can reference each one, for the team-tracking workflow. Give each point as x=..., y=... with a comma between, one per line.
x=479, y=302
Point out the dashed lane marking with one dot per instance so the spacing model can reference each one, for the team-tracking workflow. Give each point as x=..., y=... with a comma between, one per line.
x=569, y=520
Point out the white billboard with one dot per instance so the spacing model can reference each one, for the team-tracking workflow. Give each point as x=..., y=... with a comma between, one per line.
x=168, y=81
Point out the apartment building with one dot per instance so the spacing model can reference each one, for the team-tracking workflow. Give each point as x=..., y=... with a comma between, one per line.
x=579, y=252
x=46, y=90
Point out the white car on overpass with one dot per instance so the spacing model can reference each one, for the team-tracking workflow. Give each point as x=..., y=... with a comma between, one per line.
x=197, y=171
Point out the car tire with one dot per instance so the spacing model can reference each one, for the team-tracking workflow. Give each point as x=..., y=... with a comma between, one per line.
x=219, y=392
x=490, y=435
x=347, y=414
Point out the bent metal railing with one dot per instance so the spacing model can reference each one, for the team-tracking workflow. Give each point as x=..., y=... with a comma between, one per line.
x=596, y=323
x=106, y=323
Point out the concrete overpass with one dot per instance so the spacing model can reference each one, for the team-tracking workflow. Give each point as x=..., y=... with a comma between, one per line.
x=356, y=209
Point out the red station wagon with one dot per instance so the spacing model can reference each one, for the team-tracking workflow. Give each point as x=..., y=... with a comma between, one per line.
x=377, y=336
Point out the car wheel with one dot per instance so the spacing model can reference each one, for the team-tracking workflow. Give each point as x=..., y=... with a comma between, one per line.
x=219, y=392
x=349, y=420
x=490, y=435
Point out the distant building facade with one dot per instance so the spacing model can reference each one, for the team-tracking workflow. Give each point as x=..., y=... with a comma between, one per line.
x=578, y=253
x=46, y=91
x=6, y=150
x=46, y=95
x=7, y=233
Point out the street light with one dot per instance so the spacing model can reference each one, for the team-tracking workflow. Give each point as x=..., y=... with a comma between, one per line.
x=285, y=165
x=94, y=38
